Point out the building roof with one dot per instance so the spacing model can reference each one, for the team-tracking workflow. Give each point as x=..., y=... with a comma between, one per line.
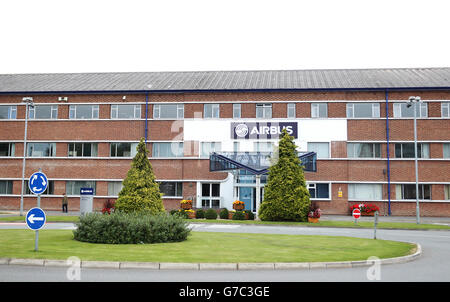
x=330, y=79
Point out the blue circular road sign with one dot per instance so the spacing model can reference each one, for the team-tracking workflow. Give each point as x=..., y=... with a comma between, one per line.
x=35, y=218
x=38, y=183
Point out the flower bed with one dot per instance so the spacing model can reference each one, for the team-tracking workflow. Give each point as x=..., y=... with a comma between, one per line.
x=186, y=204
x=366, y=209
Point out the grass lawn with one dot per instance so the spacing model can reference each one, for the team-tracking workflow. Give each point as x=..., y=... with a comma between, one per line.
x=202, y=247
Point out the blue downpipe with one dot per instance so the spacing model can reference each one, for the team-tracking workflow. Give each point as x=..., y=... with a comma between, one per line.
x=387, y=151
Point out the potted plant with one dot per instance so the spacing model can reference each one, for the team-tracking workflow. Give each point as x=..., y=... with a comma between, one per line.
x=238, y=205
x=191, y=213
x=186, y=204
x=314, y=214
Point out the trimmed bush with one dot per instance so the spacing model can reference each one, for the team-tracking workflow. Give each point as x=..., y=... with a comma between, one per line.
x=131, y=228
x=238, y=215
x=251, y=216
x=200, y=213
x=223, y=213
x=211, y=214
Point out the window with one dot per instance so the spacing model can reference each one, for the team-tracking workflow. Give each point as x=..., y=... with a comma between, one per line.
x=167, y=149
x=210, y=195
x=7, y=149
x=41, y=149
x=363, y=110
x=114, y=188
x=8, y=112
x=43, y=112
x=83, y=111
x=236, y=110
x=446, y=151
x=211, y=110
x=210, y=147
x=402, y=110
x=364, y=192
x=408, y=191
x=363, y=150
x=73, y=187
x=406, y=150
x=264, y=110
x=83, y=149
x=263, y=146
x=291, y=110
x=319, y=191
x=123, y=149
x=171, y=188
x=445, y=109
x=168, y=111
x=236, y=146
x=319, y=110
x=322, y=149
x=49, y=191
x=447, y=192
x=6, y=187
x=125, y=111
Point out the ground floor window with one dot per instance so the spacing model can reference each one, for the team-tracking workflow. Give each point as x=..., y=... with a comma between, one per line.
x=319, y=191
x=114, y=188
x=210, y=195
x=171, y=188
x=48, y=191
x=447, y=192
x=365, y=192
x=6, y=187
x=408, y=191
x=73, y=187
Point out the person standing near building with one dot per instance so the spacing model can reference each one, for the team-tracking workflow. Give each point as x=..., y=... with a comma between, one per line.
x=65, y=202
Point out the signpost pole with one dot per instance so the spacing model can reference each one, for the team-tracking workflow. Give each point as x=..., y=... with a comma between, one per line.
x=375, y=225
x=36, y=241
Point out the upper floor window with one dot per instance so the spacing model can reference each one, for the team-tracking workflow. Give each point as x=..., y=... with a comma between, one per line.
x=7, y=149
x=406, y=150
x=168, y=111
x=263, y=146
x=408, y=191
x=8, y=112
x=41, y=149
x=209, y=147
x=402, y=110
x=43, y=112
x=291, y=110
x=363, y=110
x=446, y=150
x=83, y=111
x=445, y=109
x=322, y=149
x=83, y=149
x=211, y=111
x=125, y=111
x=319, y=110
x=263, y=110
x=49, y=191
x=123, y=149
x=363, y=150
x=6, y=187
x=165, y=149
x=236, y=110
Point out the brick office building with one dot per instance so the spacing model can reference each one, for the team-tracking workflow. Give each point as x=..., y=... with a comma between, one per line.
x=83, y=129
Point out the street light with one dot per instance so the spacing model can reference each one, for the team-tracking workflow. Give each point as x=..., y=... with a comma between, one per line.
x=414, y=100
x=28, y=102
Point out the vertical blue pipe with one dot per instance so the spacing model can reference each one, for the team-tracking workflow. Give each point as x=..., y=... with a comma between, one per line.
x=387, y=151
x=146, y=116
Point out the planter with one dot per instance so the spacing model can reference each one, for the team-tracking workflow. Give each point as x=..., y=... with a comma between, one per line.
x=313, y=220
x=238, y=207
x=367, y=214
x=191, y=215
x=186, y=206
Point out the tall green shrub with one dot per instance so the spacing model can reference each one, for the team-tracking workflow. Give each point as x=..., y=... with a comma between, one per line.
x=140, y=191
x=285, y=195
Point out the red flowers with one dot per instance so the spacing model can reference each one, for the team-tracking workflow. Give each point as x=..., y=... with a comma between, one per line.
x=365, y=208
x=108, y=206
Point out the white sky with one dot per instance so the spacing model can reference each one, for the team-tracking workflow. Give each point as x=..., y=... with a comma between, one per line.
x=171, y=35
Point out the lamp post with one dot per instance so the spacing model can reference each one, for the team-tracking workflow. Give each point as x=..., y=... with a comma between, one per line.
x=28, y=102
x=415, y=100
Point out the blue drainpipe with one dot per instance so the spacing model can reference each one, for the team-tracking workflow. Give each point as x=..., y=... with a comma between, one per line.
x=146, y=116
x=387, y=151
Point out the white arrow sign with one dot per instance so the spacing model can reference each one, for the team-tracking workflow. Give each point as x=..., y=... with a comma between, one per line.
x=32, y=219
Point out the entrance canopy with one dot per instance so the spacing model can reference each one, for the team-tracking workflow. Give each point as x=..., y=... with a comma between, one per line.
x=254, y=162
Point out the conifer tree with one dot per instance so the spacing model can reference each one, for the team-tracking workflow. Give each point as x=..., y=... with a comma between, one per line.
x=285, y=195
x=140, y=191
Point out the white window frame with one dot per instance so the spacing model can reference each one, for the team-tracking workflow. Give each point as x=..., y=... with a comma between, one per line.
x=132, y=149
x=157, y=111
x=315, y=110
x=114, y=186
x=177, y=193
x=210, y=198
x=445, y=106
x=11, y=149
x=446, y=150
x=94, y=112
x=215, y=110
x=351, y=191
x=115, y=111
x=263, y=109
x=329, y=149
x=53, y=112
x=12, y=112
x=257, y=146
x=400, y=191
x=351, y=150
x=313, y=185
x=51, y=145
x=237, y=110
x=419, y=146
x=213, y=146
x=423, y=110
x=72, y=182
x=350, y=110
x=82, y=149
x=156, y=145
x=291, y=110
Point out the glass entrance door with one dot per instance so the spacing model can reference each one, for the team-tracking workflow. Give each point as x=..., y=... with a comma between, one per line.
x=246, y=194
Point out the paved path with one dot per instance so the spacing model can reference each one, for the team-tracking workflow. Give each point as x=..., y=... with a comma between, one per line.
x=433, y=265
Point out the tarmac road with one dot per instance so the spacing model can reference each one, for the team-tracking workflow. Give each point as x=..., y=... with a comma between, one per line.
x=433, y=265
